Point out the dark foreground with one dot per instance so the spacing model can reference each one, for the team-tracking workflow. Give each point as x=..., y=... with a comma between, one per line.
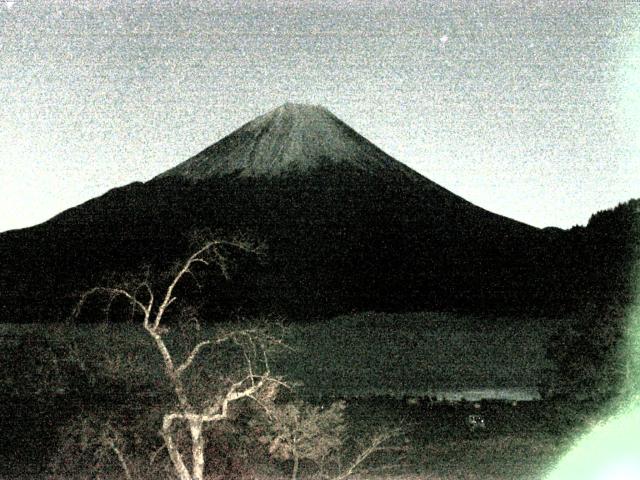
x=520, y=441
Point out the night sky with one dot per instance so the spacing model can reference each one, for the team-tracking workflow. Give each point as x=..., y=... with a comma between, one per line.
x=528, y=109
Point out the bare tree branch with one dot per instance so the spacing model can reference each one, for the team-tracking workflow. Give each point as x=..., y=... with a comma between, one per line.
x=231, y=336
x=197, y=257
x=168, y=297
x=253, y=343
x=113, y=293
x=111, y=443
x=191, y=357
x=376, y=445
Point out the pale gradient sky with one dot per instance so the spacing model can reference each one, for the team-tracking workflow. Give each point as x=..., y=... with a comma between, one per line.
x=528, y=109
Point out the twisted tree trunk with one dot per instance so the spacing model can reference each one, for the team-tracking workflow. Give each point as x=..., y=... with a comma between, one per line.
x=197, y=448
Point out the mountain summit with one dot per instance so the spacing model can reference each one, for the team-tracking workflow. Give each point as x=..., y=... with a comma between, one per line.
x=293, y=138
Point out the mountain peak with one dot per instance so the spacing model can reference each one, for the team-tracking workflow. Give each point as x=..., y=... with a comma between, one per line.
x=299, y=109
x=292, y=138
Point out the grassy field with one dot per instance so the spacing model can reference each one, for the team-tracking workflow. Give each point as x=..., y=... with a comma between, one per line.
x=364, y=355
x=376, y=361
x=416, y=354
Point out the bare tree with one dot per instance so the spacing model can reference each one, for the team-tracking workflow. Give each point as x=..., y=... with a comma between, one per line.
x=189, y=412
x=92, y=435
x=300, y=431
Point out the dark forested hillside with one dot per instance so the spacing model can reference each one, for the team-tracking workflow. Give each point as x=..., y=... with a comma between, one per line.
x=599, y=263
x=596, y=263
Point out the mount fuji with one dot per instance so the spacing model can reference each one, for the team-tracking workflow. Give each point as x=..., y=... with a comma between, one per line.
x=347, y=228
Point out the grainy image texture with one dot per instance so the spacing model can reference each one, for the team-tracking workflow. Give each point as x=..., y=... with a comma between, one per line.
x=319, y=239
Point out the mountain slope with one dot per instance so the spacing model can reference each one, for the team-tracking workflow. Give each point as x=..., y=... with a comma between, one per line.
x=346, y=226
x=291, y=138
